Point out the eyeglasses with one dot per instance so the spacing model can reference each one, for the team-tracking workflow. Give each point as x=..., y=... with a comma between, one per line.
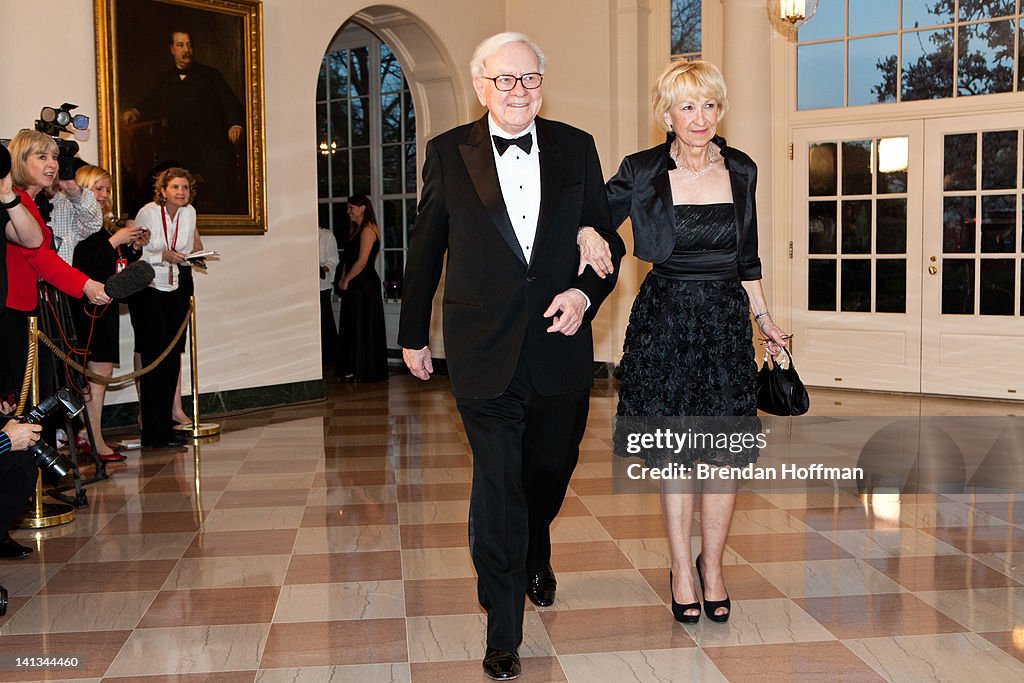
x=507, y=82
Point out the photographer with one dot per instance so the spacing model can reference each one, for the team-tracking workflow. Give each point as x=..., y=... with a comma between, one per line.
x=75, y=214
x=33, y=169
x=17, y=480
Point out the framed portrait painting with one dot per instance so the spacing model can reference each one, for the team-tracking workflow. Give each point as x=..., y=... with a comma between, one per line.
x=180, y=83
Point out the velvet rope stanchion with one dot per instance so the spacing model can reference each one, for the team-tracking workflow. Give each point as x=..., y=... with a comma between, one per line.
x=40, y=515
x=197, y=429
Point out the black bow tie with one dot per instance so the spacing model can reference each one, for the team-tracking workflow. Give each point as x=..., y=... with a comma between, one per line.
x=524, y=142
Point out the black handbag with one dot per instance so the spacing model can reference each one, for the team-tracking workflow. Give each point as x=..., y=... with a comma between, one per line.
x=779, y=389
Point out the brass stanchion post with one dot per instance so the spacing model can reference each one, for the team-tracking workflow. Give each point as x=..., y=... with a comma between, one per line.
x=197, y=428
x=43, y=515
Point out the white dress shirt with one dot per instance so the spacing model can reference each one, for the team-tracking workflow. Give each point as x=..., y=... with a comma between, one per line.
x=328, y=257
x=519, y=178
x=180, y=237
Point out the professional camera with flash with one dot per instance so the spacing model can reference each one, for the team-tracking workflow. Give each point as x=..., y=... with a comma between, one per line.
x=52, y=464
x=55, y=120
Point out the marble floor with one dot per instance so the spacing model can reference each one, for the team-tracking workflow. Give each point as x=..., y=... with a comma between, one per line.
x=327, y=542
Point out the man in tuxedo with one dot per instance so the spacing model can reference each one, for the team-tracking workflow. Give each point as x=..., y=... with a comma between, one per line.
x=504, y=197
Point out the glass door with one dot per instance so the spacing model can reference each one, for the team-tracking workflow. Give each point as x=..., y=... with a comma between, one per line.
x=973, y=318
x=857, y=255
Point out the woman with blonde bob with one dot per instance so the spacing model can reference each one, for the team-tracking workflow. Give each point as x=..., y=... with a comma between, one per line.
x=101, y=255
x=33, y=170
x=688, y=350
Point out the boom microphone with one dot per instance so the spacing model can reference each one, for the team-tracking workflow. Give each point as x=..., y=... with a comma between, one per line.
x=135, y=278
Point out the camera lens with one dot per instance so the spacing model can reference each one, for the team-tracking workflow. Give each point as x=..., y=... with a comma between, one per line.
x=52, y=464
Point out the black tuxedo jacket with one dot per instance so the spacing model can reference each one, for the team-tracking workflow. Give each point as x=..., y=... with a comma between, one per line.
x=641, y=190
x=493, y=298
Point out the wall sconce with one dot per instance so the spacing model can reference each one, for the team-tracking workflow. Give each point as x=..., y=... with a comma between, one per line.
x=790, y=15
x=326, y=148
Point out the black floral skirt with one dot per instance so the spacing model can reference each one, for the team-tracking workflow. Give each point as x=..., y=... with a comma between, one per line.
x=688, y=352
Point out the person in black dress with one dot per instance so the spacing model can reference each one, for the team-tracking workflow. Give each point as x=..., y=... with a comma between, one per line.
x=688, y=349
x=99, y=256
x=362, y=342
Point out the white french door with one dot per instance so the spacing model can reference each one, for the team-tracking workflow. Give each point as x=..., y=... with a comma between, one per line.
x=857, y=202
x=973, y=315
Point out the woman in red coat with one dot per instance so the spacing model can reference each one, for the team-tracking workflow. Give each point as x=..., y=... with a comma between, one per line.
x=33, y=169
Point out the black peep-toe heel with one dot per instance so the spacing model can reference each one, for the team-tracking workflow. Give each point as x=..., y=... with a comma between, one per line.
x=680, y=611
x=711, y=605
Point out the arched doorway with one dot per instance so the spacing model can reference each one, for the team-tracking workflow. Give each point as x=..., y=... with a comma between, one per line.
x=385, y=86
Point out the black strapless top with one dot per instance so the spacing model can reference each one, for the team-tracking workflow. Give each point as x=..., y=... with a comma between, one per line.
x=705, y=247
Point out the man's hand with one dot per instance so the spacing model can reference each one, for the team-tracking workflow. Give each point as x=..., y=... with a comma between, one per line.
x=22, y=435
x=234, y=133
x=96, y=293
x=594, y=252
x=569, y=306
x=130, y=116
x=419, y=362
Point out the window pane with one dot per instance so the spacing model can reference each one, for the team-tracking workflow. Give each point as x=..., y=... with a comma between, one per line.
x=871, y=16
x=857, y=226
x=970, y=10
x=337, y=73
x=819, y=70
x=410, y=116
x=359, y=73
x=996, y=291
x=1020, y=58
x=821, y=169
x=891, y=226
x=821, y=285
x=410, y=167
x=361, y=171
x=960, y=156
x=958, y=221
x=339, y=174
x=821, y=227
x=391, y=226
x=391, y=169
x=827, y=22
x=390, y=118
x=856, y=286
x=893, y=157
x=926, y=13
x=999, y=160
x=410, y=218
x=390, y=70
x=359, y=122
x=323, y=176
x=957, y=286
x=871, y=59
x=891, y=286
x=324, y=216
x=985, y=62
x=393, y=272
x=339, y=212
x=321, y=81
x=339, y=123
x=927, y=65
x=998, y=224
x=857, y=167
x=685, y=26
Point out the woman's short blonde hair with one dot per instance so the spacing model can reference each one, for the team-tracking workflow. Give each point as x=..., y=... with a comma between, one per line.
x=683, y=80
x=87, y=176
x=26, y=143
x=165, y=178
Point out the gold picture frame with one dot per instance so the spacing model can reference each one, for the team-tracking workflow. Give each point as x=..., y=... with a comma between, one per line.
x=148, y=119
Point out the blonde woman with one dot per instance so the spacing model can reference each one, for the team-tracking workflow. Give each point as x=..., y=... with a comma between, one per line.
x=101, y=255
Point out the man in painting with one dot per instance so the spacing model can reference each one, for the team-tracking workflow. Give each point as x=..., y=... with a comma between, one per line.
x=202, y=121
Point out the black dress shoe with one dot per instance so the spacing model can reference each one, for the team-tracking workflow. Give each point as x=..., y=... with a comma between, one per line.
x=12, y=550
x=540, y=587
x=501, y=665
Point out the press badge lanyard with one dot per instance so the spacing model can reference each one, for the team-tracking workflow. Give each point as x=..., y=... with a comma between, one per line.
x=170, y=243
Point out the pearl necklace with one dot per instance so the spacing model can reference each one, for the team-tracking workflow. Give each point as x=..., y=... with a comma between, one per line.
x=694, y=174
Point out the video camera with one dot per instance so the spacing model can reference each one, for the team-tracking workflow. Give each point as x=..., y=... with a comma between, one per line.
x=55, y=120
x=52, y=464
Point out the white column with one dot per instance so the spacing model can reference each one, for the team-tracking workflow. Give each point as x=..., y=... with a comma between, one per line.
x=746, y=65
